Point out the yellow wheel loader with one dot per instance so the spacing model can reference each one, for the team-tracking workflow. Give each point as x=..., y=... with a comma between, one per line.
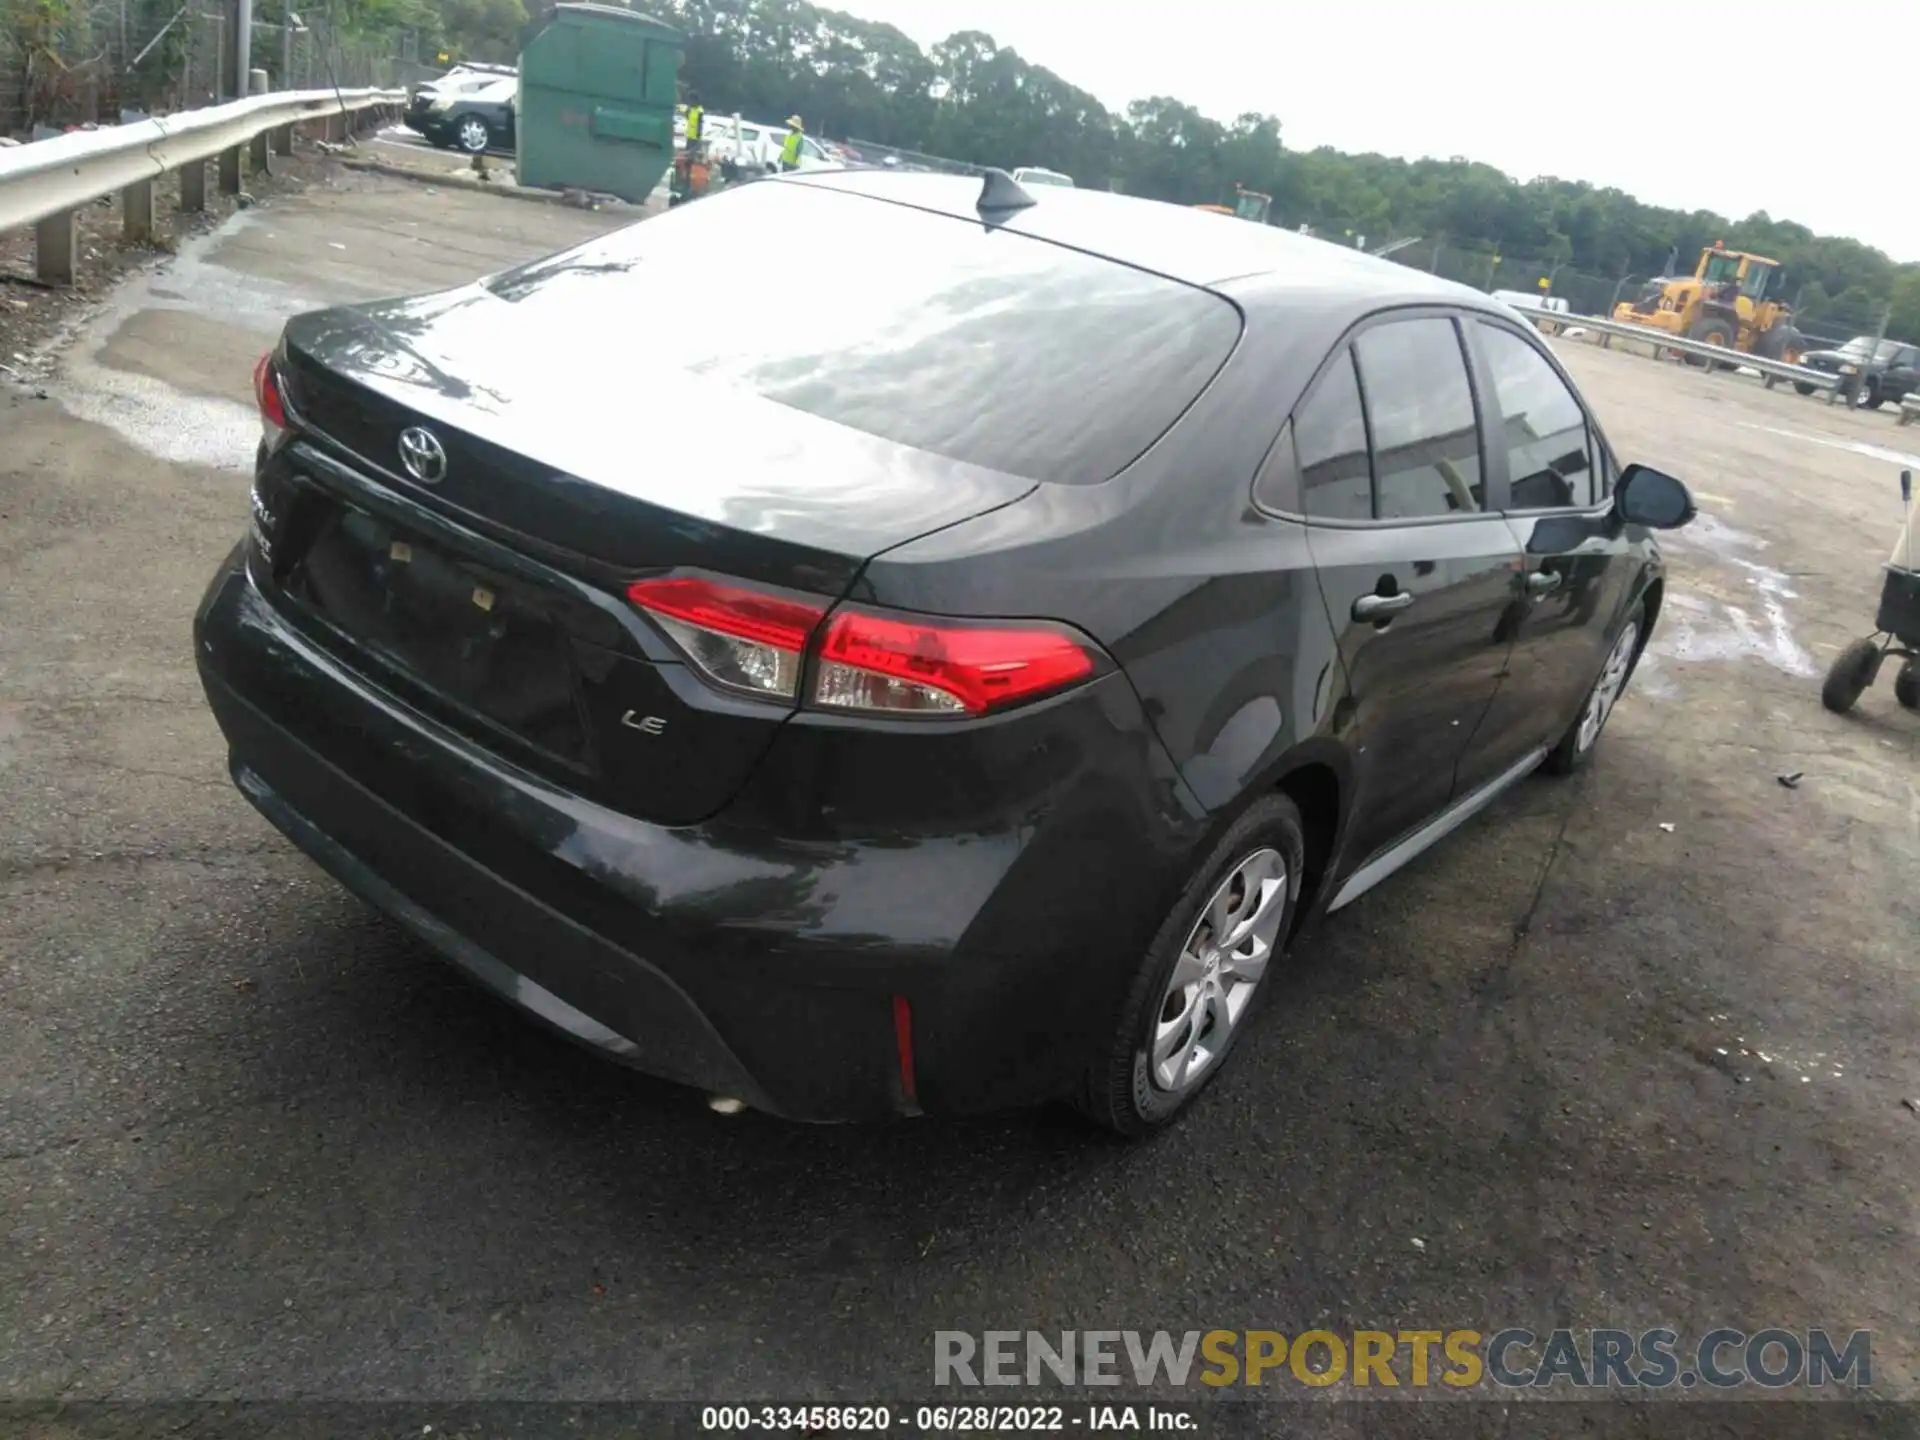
x=1724, y=302
x=1247, y=205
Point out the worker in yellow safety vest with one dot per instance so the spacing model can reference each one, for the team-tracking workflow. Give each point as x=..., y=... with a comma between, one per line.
x=790, y=147
x=696, y=124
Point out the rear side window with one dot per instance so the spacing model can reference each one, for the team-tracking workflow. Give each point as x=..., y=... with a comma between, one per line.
x=979, y=344
x=1426, y=442
x=1542, y=427
x=1330, y=440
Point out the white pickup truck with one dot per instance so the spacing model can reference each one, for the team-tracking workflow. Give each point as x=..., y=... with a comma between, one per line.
x=749, y=144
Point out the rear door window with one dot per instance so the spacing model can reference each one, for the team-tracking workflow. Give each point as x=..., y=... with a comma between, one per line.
x=1330, y=440
x=1542, y=429
x=977, y=343
x=1426, y=441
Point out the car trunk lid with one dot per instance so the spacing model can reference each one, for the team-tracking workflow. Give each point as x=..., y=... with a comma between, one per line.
x=490, y=586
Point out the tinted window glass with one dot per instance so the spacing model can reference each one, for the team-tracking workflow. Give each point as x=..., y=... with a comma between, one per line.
x=1426, y=445
x=1543, y=428
x=1331, y=441
x=979, y=344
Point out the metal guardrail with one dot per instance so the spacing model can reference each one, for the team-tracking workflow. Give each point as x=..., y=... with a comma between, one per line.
x=42, y=184
x=1771, y=371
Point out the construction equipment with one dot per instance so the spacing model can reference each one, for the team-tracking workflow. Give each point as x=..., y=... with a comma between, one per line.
x=1724, y=302
x=1247, y=205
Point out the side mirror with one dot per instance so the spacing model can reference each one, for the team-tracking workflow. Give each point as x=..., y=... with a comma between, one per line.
x=1647, y=497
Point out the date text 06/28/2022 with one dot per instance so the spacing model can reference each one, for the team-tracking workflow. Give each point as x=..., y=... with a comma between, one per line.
x=945, y=1419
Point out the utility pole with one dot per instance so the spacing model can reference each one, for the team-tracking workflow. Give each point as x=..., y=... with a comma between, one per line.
x=242, y=46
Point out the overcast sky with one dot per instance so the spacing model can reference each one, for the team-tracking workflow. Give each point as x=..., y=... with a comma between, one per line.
x=1478, y=78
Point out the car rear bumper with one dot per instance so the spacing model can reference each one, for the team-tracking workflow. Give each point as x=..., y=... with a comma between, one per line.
x=775, y=971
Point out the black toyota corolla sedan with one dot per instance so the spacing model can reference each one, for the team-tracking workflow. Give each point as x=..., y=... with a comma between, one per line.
x=944, y=683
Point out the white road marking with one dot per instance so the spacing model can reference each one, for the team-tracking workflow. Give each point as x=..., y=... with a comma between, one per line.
x=1857, y=447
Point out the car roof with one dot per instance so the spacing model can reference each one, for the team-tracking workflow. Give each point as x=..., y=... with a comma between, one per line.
x=1180, y=242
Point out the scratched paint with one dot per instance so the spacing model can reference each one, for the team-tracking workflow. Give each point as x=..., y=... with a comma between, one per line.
x=1697, y=627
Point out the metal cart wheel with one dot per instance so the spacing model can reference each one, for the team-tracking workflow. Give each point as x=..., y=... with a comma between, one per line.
x=1851, y=673
x=1906, y=685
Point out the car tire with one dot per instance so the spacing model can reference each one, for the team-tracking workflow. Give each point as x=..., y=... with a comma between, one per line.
x=1803, y=387
x=1574, y=750
x=1852, y=671
x=472, y=135
x=1870, y=395
x=1187, y=1007
x=1906, y=685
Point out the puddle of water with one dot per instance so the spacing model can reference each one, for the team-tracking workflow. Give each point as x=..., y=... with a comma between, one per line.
x=149, y=414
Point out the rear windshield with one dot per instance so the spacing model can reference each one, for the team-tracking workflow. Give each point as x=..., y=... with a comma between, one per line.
x=980, y=345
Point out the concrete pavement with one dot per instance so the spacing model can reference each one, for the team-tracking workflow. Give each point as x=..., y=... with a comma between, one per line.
x=254, y=1142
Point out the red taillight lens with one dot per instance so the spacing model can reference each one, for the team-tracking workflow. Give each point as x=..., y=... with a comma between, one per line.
x=266, y=393
x=740, y=638
x=897, y=665
x=876, y=662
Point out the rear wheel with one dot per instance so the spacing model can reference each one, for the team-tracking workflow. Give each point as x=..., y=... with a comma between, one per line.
x=1197, y=983
x=1576, y=746
x=1849, y=676
x=1774, y=343
x=1803, y=387
x=472, y=135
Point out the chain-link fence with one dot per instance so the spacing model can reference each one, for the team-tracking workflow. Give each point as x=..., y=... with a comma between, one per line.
x=1586, y=292
x=76, y=62
x=1828, y=324
x=872, y=152
x=1822, y=322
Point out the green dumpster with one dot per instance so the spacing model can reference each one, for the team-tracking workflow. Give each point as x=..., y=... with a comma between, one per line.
x=596, y=104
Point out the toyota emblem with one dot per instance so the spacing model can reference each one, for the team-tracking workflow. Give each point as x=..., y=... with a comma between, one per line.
x=423, y=455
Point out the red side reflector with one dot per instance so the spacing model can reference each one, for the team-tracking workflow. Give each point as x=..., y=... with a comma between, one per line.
x=266, y=393
x=903, y=1042
x=972, y=668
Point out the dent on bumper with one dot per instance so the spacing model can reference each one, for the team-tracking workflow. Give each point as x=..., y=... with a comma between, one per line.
x=740, y=963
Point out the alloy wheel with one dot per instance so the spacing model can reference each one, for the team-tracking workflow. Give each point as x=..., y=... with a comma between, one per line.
x=1606, y=690
x=473, y=135
x=1219, y=968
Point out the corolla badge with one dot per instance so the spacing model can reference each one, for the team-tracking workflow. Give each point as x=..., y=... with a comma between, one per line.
x=423, y=456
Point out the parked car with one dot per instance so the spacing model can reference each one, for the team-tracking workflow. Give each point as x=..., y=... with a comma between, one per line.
x=473, y=120
x=1889, y=369
x=451, y=86
x=1014, y=636
x=1037, y=175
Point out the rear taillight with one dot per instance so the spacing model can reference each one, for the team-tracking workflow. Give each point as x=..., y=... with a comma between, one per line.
x=908, y=666
x=266, y=393
x=741, y=639
x=874, y=662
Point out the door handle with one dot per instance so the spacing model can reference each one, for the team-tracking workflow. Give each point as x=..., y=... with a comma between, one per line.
x=1542, y=582
x=1381, y=607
